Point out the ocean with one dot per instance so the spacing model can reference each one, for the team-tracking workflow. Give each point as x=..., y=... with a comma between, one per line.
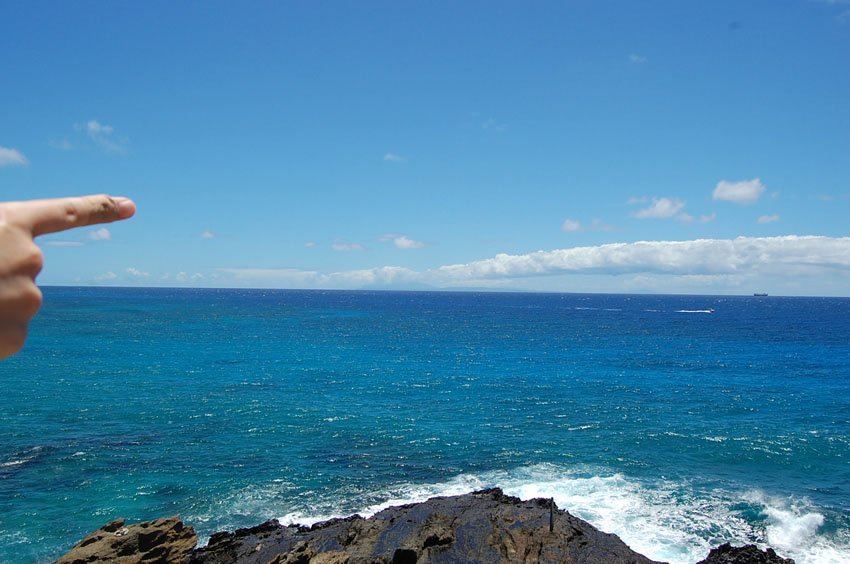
x=676, y=422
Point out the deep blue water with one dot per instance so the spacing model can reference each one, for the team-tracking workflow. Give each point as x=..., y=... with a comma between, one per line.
x=677, y=422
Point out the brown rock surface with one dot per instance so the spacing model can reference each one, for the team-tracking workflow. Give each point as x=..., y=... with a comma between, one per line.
x=160, y=540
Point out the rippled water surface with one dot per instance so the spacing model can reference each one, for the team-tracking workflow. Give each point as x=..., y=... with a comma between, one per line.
x=677, y=422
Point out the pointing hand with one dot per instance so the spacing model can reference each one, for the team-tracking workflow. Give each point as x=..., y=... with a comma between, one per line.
x=21, y=259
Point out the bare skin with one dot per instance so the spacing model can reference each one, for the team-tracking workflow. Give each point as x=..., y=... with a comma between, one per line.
x=21, y=260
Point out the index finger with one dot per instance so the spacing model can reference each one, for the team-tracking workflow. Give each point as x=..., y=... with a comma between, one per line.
x=49, y=216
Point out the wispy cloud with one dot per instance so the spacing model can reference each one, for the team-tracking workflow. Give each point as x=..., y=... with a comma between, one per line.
x=637, y=59
x=103, y=136
x=570, y=225
x=186, y=277
x=768, y=218
x=207, y=234
x=12, y=157
x=403, y=241
x=739, y=192
x=310, y=244
x=62, y=144
x=661, y=208
x=59, y=243
x=346, y=247
x=106, y=277
x=136, y=273
x=101, y=234
x=833, y=197
x=296, y=278
x=394, y=158
x=599, y=225
x=492, y=124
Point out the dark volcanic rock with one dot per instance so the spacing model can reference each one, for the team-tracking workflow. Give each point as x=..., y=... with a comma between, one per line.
x=485, y=526
x=750, y=554
x=160, y=540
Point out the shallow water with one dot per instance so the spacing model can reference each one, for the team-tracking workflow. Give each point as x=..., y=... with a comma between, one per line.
x=677, y=422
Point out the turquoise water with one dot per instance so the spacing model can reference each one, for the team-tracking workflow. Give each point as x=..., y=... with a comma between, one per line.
x=677, y=422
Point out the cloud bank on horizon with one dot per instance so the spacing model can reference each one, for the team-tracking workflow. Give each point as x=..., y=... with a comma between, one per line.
x=731, y=262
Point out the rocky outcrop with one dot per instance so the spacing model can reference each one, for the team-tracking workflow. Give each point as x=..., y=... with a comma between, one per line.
x=486, y=526
x=160, y=540
x=749, y=554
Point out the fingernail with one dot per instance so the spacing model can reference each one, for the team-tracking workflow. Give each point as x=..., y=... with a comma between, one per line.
x=126, y=207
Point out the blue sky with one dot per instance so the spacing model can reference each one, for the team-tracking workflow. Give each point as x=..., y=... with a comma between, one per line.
x=685, y=147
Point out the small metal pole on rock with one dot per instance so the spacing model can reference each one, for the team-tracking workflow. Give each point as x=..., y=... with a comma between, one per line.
x=551, y=514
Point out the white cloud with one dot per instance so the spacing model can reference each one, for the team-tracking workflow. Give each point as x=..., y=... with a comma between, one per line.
x=833, y=197
x=712, y=264
x=186, y=277
x=707, y=218
x=344, y=247
x=637, y=200
x=63, y=243
x=701, y=256
x=295, y=278
x=661, y=208
x=403, y=242
x=637, y=59
x=101, y=234
x=685, y=217
x=768, y=218
x=103, y=136
x=207, y=234
x=12, y=157
x=310, y=244
x=105, y=277
x=61, y=144
x=95, y=128
x=740, y=192
x=599, y=225
x=135, y=272
x=492, y=124
x=571, y=225
x=392, y=157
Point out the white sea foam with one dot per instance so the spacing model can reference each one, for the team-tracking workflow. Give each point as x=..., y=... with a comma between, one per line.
x=664, y=520
x=694, y=311
x=26, y=457
x=793, y=527
x=14, y=463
